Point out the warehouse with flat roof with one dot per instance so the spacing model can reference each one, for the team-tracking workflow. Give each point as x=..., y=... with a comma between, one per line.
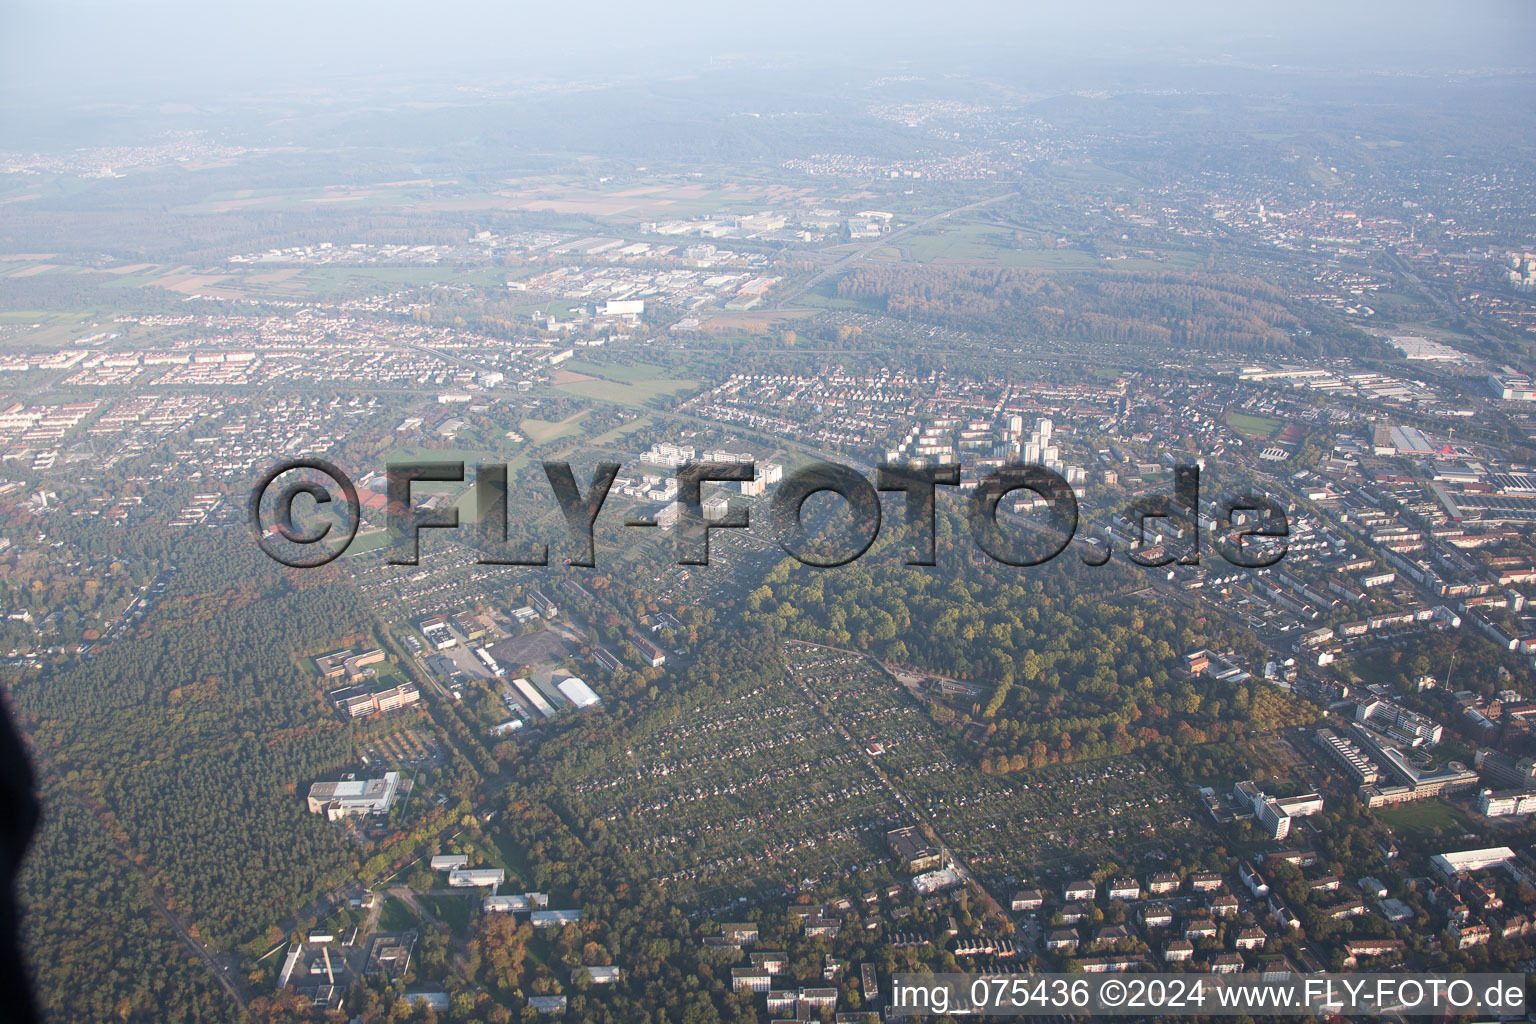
x=578, y=692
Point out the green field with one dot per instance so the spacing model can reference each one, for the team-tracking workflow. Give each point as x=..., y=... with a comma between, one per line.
x=514, y=859
x=367, y=541
x=396, y=916
x=539, y=431
x=617, y=371
x=985, y=243
x=451, y=910
x=330, y=281
x=1253, y=426
x=55, y=330
x=1418, y=821
x=637, y=394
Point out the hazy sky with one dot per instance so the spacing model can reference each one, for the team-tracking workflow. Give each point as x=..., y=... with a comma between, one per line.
x=74, y=50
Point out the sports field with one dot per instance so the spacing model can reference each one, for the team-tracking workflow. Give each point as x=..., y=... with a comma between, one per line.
x=1253, y=426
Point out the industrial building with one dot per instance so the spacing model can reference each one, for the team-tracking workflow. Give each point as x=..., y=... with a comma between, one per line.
x=578, y=693
x=534, y=697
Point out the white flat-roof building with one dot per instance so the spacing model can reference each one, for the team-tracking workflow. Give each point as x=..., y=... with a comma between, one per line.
x=449, y=861
x=578, y=692
x=1506, y=802
x=468, y=877
x=506, y=904
x=354, y=796
x=715, y=507
x=1449, y=865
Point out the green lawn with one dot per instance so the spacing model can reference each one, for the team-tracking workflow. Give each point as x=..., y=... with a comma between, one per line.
x=1416, y=821
x=988, y=244
x=622, y=430
x=636, y=394
x=539, y=431
x=616, y=371
x=397, y=916
x=451, y=910
x=515, y=860
x=367, y=541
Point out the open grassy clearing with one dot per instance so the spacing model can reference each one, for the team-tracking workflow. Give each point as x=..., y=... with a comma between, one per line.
x=637, y=394
x=539, y=431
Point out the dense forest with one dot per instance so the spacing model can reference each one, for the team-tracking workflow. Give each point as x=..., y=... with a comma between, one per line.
x=98, y=949
x=193, y=741
x=1220, y=313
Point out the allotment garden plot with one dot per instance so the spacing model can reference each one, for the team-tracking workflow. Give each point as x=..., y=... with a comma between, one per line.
x=746, y=792
x=1110, y=809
